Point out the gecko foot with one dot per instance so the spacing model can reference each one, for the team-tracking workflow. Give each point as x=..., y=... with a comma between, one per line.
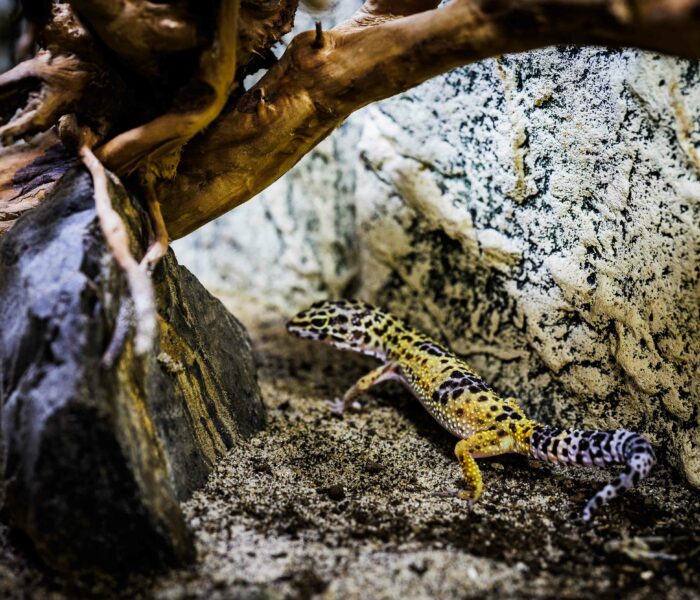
x=338, y=407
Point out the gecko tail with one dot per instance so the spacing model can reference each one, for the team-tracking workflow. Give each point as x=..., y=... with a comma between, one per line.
x=600, y=449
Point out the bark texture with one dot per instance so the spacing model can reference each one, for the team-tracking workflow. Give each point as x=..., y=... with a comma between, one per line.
x=95, y=459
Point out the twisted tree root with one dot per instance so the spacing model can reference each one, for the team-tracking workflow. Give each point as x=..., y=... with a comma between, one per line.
x=388, y=46
x=165, y=136
x=61, y=79
x=139, y=281
x=159, y=243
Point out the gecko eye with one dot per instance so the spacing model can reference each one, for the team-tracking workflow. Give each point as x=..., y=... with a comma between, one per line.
x=319, y=322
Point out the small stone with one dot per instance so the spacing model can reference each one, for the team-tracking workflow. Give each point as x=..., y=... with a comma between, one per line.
x=262, y=466
x=334, y=492
x=419, y=567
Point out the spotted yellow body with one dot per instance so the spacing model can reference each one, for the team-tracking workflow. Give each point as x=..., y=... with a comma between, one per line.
x=463, y=403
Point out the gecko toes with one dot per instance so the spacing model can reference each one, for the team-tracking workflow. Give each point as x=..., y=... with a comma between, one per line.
x=339, y=408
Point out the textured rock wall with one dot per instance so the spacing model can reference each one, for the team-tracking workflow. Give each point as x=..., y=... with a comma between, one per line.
x=540, y=213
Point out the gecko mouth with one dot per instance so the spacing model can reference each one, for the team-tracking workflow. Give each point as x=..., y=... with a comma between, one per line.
x=299, y=330
x=293, y=328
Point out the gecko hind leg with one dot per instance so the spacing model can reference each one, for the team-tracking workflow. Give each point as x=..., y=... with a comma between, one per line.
x=485, y=443
x=386, y=372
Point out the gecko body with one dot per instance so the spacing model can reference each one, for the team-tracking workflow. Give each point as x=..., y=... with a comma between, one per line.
x=458, y=399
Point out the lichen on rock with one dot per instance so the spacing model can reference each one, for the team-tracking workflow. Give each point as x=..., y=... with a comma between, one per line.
x=579, y=162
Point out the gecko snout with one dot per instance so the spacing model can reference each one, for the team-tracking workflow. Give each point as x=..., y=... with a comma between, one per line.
x=307, y=325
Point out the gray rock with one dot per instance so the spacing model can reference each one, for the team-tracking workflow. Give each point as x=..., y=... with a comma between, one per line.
x=95, y=460
x=540, y=213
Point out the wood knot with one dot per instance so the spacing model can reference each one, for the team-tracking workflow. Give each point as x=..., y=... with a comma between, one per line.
x=248, y=102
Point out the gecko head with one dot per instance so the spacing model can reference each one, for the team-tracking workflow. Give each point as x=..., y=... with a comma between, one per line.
x=340, y=323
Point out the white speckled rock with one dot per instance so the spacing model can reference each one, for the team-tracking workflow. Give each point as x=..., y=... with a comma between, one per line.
x=539, y=213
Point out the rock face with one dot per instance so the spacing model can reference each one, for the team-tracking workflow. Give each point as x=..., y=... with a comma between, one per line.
x=95, y=460
x=540, y=213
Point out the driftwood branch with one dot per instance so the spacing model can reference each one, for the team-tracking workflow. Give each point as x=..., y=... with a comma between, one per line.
x=117, y=239
x=62, y=80
x=210, y=145
x=380, y=52
x=28, y=172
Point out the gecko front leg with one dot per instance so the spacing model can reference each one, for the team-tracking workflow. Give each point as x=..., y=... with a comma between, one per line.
x=386, y=372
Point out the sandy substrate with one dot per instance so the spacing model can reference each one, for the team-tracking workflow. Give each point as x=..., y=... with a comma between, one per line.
x=344, y=508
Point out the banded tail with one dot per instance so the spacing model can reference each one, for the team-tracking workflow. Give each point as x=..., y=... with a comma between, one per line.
x=346, y=324
x=598, y=448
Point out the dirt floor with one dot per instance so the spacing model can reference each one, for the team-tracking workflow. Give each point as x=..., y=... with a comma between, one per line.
x=328, y=507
